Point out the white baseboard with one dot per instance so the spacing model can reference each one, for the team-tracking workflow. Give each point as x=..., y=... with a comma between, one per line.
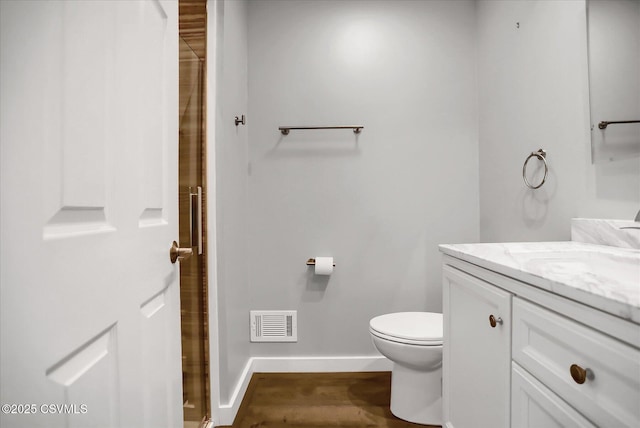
x=227, y=412
x=320, y=364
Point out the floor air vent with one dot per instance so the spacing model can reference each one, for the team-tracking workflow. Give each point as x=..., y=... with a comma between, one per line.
x=274, y=326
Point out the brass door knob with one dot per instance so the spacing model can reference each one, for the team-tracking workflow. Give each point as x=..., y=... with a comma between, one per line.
x=578, y=374
x=494, y=321
x=177, y=253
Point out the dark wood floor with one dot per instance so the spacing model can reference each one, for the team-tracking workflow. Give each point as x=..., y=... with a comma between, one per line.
x=314, y=400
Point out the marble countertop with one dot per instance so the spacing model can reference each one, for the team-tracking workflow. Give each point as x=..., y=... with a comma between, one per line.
x=600, y=276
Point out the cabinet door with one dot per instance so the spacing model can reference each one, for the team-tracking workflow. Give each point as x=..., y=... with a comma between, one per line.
x=535, y=406
x=476, y=356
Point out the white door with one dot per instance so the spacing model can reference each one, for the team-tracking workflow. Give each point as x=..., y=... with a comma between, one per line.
x=90, y=324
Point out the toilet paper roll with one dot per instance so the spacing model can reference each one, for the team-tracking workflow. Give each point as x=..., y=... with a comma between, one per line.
x=324, y=265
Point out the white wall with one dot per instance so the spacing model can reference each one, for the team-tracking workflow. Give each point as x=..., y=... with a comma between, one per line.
x=229, y=23
x=533, y=93
x=380, y=203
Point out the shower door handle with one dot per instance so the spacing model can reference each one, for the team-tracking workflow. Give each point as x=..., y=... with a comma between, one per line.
x=195, y=194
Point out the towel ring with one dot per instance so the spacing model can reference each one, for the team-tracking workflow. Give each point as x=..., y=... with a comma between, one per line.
x=540, y=154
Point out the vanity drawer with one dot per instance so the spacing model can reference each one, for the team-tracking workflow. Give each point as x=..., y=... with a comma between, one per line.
x=547, y=345
x=533, y=405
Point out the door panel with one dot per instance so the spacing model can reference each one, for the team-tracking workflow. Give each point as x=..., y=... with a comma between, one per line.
x=95, y=363
x=89, y=299
x=153, y=96
x=75, y=125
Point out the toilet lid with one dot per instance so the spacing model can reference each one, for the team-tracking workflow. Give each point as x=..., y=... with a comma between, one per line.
x=412, y=326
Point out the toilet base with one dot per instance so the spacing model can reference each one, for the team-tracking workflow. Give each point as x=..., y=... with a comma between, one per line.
x=416, y=396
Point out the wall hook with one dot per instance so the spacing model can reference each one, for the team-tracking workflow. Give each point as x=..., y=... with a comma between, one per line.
x=240, y=121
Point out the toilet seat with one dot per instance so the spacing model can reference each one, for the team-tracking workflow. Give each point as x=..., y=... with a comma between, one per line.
x=415, y=328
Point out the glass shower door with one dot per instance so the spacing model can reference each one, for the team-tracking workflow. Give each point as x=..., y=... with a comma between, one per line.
x=193, y=291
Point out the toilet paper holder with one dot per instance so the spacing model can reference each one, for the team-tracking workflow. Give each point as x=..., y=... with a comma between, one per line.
x=312, y=262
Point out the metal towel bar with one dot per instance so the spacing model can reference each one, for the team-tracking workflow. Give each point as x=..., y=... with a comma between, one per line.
x=605, y=123
x=285, y=129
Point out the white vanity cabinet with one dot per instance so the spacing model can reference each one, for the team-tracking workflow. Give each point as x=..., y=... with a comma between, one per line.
x=553, y=362
x=477, y=352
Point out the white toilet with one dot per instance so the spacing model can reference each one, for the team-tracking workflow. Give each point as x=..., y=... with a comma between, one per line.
x=413, y=341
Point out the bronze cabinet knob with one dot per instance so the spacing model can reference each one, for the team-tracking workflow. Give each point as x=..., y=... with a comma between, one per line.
x=494, y=321
x=578, y=374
